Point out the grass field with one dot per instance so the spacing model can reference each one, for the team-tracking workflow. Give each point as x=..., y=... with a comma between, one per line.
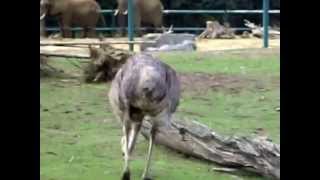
x=233, y=92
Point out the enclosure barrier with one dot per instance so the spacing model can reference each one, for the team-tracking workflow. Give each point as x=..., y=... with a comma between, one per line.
x=113, y=28
x=265, y=11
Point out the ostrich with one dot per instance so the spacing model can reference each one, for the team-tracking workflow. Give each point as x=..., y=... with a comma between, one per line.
x=144, y=87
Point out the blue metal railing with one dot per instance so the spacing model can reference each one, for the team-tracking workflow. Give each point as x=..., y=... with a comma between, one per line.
x=111, y=11
x=178, y=11
x=265, y=12
x=218, y=11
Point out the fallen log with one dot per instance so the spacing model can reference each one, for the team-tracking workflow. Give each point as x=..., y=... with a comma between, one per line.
x=64, y=51
x=105, y=63
x=191, y=138
x=257, y=31
x=76, y=48
x=246, y=35
x=86, y=41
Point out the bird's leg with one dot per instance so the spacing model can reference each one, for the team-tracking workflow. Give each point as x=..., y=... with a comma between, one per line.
x=134, y=131
x=145, y=175
x=158, y=122
x=124, y=141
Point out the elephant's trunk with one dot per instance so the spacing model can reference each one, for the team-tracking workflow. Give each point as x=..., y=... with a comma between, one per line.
x=121, y=11
x=170, y=30
x=43, y=16
x=44, y=8
x=122, y=7
x=116, y=12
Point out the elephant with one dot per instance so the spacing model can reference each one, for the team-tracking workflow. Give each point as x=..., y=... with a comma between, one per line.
x=145, y=11
x=83, y=13
x=42, y=28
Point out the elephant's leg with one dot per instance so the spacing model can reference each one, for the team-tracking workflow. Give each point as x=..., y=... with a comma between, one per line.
x=91, y=32
x=65, y=22
x=42, y=29
x=60, y=26
x=66, y=31
x=157, y=23
x=121, y=23
x=137, y=22
x=82, y=33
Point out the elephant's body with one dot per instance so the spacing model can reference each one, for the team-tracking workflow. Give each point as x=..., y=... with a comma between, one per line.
x=42, y=29
x=82, y=13
x=150, y=12
x=145, y=12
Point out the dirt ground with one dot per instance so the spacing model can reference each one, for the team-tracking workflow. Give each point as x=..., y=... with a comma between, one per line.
x=202, y=82
x=215, y=44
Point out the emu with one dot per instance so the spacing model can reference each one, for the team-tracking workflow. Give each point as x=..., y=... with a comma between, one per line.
x=144, y=87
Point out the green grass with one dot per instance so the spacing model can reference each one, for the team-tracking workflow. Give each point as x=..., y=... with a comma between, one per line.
x=232, y=63
x=80, y=139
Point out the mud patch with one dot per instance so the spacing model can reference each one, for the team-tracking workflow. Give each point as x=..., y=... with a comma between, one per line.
x=201, y=82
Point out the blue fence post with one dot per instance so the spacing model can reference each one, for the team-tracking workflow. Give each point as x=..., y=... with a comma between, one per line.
x=130, y=23
x=266, y=23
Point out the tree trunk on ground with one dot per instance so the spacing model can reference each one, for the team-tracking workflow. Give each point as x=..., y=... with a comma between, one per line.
x=258, y=154
x=65, y=51
x=86, y=41
x=257, y=31
x=105, y=63
x=75, y=48
x=215, y=30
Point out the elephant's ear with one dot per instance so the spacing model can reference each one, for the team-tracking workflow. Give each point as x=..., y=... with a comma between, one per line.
x=93, y=52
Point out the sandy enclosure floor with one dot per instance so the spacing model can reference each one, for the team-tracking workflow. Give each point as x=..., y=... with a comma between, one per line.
x=214, y=44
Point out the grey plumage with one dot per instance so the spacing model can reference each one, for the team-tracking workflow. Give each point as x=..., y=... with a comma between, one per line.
x=148, y=84
x=143, y=87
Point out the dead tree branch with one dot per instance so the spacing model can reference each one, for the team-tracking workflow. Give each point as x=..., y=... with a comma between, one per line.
x=257, y=154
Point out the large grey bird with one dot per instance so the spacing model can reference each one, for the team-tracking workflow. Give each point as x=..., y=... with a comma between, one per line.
x=144, y=87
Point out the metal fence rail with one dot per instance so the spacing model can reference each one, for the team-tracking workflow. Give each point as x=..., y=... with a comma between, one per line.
x=112, y=28
x=264, y=11
x=178, y=11
x=142, y=28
